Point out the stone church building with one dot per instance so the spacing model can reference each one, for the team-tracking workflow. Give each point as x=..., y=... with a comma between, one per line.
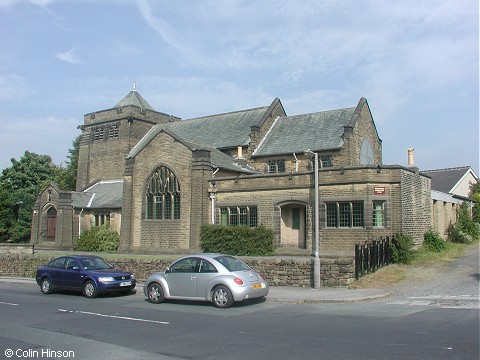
x=157, y=178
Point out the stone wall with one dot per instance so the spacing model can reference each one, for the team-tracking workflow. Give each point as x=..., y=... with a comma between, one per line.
x=17, y=249
x=416, y=204
x=279, y=271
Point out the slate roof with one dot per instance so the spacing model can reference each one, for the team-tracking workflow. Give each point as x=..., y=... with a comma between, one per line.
x=225, y=161
x=217, y=157
x=317, y=131
x=101, y=195
x=289, y=134
x=445, y=180
x=133, y=98
x=221, y=131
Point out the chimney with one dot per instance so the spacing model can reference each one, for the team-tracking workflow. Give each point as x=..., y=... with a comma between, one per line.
x=411, y=161
x=239, y=153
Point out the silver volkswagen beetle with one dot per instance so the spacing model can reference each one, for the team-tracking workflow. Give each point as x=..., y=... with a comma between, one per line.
x=221, y=279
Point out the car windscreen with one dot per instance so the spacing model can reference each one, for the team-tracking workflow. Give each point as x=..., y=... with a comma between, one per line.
x=95, y=263
x=231, y=263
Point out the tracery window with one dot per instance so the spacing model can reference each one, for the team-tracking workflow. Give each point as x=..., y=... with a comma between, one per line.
x=276, y=166
x=163, y=195
x=326, y=161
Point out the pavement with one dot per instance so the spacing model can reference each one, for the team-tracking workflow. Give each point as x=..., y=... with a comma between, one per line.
x=281, y=294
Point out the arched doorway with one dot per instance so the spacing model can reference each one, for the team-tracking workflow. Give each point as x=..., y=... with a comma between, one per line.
x=51, y=223
x=293, y=225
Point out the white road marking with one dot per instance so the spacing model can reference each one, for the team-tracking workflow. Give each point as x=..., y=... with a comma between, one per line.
x=5, y=303
x=115, y=316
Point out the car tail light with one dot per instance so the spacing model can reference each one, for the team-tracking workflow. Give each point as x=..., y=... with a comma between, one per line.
x=238, y=281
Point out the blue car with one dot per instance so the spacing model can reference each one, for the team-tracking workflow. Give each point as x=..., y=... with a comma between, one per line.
x=91, y=275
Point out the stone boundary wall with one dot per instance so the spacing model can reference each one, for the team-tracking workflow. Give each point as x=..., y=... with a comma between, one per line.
x=279, y=271
x=17, y=249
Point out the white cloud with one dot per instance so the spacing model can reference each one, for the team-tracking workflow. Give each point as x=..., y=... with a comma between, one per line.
x=301, y=39
x=68, y=57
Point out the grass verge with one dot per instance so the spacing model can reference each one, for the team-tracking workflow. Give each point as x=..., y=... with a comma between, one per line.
x=423, y=259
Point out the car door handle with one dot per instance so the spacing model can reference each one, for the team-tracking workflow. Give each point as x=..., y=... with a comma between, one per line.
x=193, y=277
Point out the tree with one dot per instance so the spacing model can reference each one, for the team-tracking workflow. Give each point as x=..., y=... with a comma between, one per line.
x=7, y=217
x=475, y=195
x=66, y=178
x=19, y=187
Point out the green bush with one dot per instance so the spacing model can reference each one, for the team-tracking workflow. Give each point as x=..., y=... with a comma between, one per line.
x=457, y=235
x=401, y=249
x=432, y=241
x=98, y=239
x=465, y=230
x=236, y=240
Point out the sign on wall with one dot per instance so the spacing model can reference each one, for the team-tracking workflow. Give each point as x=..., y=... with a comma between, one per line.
x=379, y=190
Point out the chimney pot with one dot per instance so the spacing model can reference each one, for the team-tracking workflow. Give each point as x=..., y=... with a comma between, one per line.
x=239, y=152
x=411, y=161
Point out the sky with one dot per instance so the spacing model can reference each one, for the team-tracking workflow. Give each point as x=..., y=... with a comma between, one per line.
x=415, y=61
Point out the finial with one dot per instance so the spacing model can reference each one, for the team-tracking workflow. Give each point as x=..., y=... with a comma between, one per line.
x=134, y=86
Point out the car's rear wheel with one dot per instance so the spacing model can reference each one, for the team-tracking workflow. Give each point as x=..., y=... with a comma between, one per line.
x=46, y=286
x=155, y=293
x=89, y=289
x=222, y=297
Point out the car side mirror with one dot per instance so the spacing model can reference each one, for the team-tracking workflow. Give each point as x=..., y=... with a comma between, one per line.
x=167, y=270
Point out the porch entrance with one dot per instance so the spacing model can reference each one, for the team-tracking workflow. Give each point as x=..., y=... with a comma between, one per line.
x=293, y=226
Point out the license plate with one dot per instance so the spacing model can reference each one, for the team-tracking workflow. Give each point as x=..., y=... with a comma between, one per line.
x=257, y=286
x=126, y=283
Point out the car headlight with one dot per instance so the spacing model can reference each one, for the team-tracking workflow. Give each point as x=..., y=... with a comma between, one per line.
x=106, y=279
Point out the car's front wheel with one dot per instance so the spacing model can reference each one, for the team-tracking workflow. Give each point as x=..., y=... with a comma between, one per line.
x=89, y=289
x=46, y=286
x=155, y=293
x=222, y=297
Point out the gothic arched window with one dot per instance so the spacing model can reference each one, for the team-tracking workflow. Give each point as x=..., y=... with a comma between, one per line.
x=163, y=195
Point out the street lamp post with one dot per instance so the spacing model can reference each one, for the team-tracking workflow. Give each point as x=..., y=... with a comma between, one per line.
x=316, y=261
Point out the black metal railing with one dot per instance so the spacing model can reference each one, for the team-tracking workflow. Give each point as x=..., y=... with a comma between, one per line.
x=371, y=256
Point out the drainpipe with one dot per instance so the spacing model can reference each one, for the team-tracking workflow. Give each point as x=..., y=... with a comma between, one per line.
x=296, y=162
x=212, y=198
x=80, y=222
x=212, y=195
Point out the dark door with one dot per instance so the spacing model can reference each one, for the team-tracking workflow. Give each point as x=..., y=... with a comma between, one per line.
x=56, y=271
x=72, y=277
x=51, y=223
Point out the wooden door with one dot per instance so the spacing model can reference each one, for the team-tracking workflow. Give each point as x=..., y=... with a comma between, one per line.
x=51, y=223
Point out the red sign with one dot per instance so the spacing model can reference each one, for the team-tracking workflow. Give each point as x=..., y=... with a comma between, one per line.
x=379, y=190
